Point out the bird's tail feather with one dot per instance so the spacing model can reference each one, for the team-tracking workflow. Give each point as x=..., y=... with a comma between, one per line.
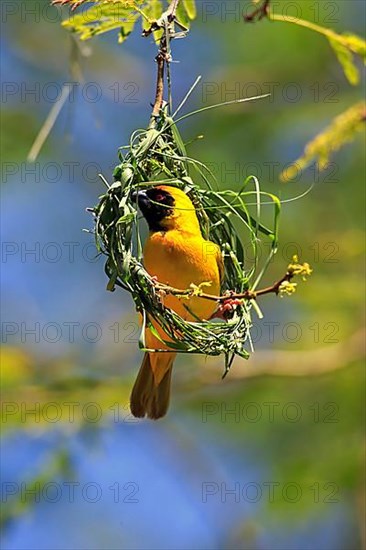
x=148, y=397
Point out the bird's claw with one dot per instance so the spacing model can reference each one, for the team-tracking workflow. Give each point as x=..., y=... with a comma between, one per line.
x=227, y=308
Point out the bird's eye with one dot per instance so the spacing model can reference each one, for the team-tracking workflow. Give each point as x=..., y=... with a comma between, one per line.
x=159, y=197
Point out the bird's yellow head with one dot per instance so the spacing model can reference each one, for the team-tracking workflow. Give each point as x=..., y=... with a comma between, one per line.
x=166, y=208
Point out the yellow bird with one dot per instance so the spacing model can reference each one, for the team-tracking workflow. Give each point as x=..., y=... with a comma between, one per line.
x=177, y=255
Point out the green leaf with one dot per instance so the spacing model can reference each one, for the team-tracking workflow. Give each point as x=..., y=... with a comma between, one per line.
x=152, y=11
x=112, y=281
x=102, y=18
x=356, y=44
x=190, y=7
x=127, y=218
x=345, y=58
x=182, y=15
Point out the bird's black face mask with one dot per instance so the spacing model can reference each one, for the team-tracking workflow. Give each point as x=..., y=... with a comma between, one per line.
x=155, y=205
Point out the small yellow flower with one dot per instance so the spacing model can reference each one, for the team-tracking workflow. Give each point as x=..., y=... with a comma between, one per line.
x=197, y=290
x=299, y=269
x=286, y=288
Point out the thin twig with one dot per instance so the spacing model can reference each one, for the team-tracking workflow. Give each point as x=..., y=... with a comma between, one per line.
x=160, y=60
x=247, y=295
x=172, y=10
x=49, y=123
x=165, y=22
x=76, y=77
x=168, y=15
x=259, y=13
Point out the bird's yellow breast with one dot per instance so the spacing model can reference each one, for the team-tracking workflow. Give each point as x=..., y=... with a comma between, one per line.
x=179, y=259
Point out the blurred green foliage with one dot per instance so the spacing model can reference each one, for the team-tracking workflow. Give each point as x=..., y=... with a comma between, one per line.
x=325, y=227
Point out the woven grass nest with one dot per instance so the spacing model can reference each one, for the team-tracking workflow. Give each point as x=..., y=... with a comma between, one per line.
x=157, y=156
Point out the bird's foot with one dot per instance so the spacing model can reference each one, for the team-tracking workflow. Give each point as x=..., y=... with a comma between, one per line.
x=227, y=308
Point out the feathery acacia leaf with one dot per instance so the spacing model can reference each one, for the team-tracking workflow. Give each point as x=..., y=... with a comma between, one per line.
x=103, y=17
x=346, y=46
x=345, y=58
x=342, y=130
x=107, y=15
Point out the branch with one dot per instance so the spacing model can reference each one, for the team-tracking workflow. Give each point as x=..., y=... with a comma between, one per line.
x=165, y=22
x=259, y=13
x=159, y=95
x=282, y=286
